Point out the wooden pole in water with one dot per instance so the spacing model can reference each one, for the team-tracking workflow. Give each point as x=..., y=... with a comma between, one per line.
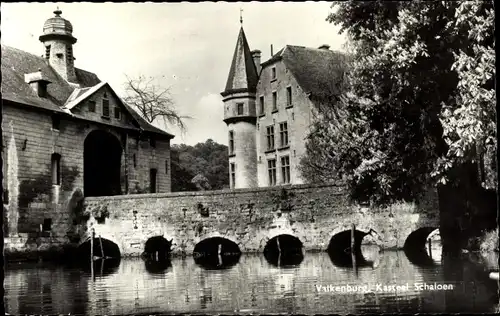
x=92, y=254
x=353, y=247
x=102, y=249
x=430, y=248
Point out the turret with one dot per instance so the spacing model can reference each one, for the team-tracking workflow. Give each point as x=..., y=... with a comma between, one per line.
x=240, y=116
x=58, y=41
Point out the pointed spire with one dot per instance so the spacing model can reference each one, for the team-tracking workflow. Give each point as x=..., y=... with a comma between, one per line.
x=242, y=74
x=241, y=17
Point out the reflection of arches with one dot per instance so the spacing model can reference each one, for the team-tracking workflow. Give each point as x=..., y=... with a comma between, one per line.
x=101, y=164
x=157, y=248
x=344, y=260
x=158, y=267
x=216, y=253
x=415, y=247
x=284, y=251
x=103, y=265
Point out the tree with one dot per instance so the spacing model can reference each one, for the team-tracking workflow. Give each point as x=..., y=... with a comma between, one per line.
x=208, y=160
x=201, y=182
x=418, y=108
x=152, y=102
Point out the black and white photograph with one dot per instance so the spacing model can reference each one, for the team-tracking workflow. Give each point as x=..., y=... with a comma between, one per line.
x=248, y=158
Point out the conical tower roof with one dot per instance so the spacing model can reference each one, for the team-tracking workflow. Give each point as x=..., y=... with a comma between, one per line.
x=242, y=74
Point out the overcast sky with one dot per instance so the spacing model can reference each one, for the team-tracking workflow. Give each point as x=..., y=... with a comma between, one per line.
x=187, y=46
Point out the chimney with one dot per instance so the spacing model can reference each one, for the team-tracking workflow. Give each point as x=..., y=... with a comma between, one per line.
x=38, y=82
x=256, y=59
x=324, y=46
x=272, y=50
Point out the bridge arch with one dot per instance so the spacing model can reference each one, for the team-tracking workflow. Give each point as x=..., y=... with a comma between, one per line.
x=109, y=248
x=284, y=250
x=157, y=247
x=102, y=158
x=341, y=240
x=418, y=238
x=216, y=253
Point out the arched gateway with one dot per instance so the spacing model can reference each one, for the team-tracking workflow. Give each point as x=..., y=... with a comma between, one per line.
x=101, y=164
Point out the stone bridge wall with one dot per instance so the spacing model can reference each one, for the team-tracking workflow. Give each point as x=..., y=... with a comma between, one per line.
x=250, y=217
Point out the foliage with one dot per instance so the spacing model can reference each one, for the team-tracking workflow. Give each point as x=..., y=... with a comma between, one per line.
x=192, y=165
x=152, y=101
x=418, y=100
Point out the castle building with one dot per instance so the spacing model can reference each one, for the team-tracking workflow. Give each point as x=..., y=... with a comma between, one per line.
x=67, y=134
x=269, y=107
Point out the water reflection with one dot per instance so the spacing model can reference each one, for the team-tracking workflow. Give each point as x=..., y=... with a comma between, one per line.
x=251, y=285
x=159, y=266
x=216, y=261
x=98, y=267
x=284, y=260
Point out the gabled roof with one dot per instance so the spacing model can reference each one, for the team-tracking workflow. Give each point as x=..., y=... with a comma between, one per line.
x=243, y=75
x=316, y=70
x=16, y=63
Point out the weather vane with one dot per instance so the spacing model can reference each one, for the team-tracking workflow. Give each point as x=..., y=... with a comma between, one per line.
x=241, y=16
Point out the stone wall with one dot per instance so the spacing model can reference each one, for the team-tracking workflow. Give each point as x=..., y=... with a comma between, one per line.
x=30, y=196
x=250, y=217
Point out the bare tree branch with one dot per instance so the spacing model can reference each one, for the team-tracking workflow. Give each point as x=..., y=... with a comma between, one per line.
x=153, y=102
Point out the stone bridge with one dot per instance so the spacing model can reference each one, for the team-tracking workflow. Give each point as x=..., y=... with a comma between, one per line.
x=251, y=217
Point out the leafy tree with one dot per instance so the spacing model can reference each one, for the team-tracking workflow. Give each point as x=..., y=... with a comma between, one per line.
x=207, y=160
x=201, y=182
x=152, y=102
x=418, y=105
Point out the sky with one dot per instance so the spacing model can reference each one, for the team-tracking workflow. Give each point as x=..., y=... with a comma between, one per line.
x=186, y=47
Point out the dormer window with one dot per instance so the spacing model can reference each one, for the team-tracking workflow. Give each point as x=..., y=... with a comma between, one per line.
x=118, y=113
x=273, y=73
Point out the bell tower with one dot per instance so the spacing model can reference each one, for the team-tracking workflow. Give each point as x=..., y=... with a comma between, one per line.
x=58, y=41
x=240, y=116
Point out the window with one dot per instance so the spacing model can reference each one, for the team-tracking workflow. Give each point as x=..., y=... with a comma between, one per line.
x=92, y=106
x=285, y=169
x=166, y=166
x=275, y=101
x=56, y=169
x=152, y=180
x=270, y=137
x=271, y=168
x=134, y=160
x=105, y=107
x=47, y=224
x=289, y=96
x=240, y=108
x=152, y=142
x=233, y=175
x=56, y=122
x=273, y=73
x=283, y=134
x=261, y=103
x=231, y=142
x=47, y=51
x=69, y=52
x=117, y=113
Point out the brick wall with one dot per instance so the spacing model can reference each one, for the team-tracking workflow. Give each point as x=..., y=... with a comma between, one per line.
x=29, y=141
x=250, y=217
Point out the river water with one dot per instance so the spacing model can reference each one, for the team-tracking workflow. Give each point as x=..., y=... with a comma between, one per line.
x=317, y=284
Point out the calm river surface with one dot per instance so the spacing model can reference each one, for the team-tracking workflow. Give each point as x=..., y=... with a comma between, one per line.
x=252, y=286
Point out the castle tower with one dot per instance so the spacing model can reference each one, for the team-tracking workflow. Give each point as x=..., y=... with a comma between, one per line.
x=240, y=116
x=58, y=41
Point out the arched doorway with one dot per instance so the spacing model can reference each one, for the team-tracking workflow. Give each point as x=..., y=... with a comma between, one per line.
x=101, y=164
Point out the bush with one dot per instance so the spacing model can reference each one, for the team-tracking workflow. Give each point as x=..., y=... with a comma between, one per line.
x=489, y=241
